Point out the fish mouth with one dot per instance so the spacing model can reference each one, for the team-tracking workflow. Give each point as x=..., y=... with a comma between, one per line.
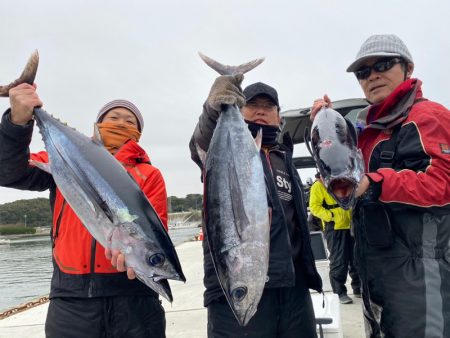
x=248, y=315
x=342, y=188
x=343, y=191
x=158, y=277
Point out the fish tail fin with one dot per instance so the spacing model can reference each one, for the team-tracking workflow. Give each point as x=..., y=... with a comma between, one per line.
x=28, y=75
x=230, y=70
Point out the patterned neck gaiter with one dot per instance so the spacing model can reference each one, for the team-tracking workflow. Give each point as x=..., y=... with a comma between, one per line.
x=115, y=135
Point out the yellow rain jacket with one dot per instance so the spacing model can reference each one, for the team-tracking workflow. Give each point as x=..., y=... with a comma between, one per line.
x=323, y=206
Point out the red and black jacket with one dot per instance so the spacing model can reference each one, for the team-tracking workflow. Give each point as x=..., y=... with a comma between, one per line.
x=80, y=266
x=421, y=166
x=407, y=283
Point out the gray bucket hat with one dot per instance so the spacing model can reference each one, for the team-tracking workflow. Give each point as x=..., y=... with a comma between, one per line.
x=380, y=45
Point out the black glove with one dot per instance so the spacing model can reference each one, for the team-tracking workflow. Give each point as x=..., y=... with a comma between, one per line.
x=372, y=194
x=226, y=90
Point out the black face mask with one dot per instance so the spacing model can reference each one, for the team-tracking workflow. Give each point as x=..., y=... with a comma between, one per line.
x=269, y=133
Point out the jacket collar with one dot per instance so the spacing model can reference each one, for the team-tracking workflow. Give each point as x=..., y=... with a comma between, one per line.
x=284, y=142
x=394, y=109
x=131, y=153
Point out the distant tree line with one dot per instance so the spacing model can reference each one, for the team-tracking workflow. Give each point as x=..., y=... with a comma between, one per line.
x=189, y=203
x=36, y=212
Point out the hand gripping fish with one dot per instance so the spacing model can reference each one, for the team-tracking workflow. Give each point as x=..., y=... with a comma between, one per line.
x=105, y=197
x=236, y=209
x=334, y=149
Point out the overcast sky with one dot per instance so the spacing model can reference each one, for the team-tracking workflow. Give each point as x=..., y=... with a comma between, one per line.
x=146, y=51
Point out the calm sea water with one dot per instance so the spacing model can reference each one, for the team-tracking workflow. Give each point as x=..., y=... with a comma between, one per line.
x=26, y=267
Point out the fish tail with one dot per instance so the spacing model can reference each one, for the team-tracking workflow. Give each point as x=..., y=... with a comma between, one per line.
x=230, y=70
x=28, y=75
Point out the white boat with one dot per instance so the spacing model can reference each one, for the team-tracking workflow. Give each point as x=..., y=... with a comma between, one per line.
x=4, y=241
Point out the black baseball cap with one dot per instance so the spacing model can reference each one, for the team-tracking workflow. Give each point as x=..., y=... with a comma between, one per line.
x=260, y=88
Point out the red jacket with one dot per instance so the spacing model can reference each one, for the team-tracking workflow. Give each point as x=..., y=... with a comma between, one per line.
x=80, y=266
x=424, y=141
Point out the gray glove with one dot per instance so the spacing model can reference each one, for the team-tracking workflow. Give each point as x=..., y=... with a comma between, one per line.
x=226, y=90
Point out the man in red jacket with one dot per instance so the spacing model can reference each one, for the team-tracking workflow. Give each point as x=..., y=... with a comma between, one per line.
x=89, y=296
x=402, y=220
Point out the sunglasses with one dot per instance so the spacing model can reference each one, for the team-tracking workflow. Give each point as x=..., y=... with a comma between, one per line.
x=380, y=67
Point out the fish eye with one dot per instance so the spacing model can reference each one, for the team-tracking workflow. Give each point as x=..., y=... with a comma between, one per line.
x=239, y=293
x=156, y=259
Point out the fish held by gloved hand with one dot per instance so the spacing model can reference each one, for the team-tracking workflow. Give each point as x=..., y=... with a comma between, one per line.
x=236, y=207
x=333, y=145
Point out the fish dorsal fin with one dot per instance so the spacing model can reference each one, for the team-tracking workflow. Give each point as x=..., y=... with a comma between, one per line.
x=97, y=136
x=241, y=220
x=230, y=70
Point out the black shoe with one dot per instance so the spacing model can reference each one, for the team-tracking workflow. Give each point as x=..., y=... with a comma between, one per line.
x=357, y=293
x=344, y=299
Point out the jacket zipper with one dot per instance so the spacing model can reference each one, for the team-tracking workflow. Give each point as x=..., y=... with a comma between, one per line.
x=92, y=268
x=58, y=224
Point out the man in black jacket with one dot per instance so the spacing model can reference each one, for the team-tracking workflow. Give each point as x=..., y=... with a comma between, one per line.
x=285, y=309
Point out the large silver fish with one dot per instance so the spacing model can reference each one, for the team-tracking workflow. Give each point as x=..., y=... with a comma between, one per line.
x=237, y=221
x=106, y=198
x=334, y=149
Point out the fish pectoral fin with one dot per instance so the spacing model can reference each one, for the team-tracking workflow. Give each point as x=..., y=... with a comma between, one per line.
x=41, y=165
x=97, y=136
x=201, y=153
x=258, y=139
x=96, y=201
x=104, y=206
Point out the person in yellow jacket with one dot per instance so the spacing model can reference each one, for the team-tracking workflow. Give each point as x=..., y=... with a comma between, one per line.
x=340, y=243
